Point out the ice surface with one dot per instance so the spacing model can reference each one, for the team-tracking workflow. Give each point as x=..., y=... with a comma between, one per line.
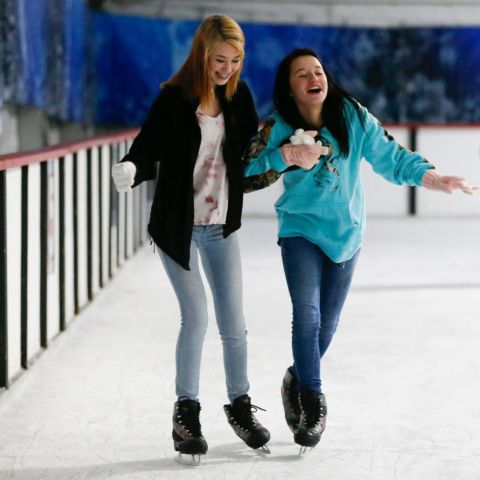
x=401, y=375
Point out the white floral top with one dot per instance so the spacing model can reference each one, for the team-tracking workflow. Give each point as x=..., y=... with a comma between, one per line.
x=210, y=186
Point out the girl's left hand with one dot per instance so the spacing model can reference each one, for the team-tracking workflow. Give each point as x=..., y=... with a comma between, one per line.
x=446, y=183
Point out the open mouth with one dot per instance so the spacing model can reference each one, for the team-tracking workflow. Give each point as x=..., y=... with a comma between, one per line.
x=314, y=90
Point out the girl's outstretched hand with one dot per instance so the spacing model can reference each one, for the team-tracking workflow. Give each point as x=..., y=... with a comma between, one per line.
x=446, y=183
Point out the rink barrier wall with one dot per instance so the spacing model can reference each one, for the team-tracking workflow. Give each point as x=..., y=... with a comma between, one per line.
x=64, y=233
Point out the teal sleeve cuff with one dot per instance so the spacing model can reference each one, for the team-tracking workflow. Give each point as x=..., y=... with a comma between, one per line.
x=277, y=162
x=421, y=172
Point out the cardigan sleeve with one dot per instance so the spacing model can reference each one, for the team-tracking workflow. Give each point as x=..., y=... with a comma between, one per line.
x=146, y=148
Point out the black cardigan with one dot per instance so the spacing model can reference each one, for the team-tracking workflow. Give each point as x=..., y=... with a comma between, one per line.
x=171, y=136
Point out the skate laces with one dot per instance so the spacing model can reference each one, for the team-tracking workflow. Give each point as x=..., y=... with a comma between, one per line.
x=292, y=395
x=189, y=416
x=243, y=412
x=314, y=412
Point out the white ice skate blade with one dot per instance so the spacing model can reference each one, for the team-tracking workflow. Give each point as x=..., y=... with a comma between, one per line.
x=303, y=451
x=192, y=460
x=264, y=450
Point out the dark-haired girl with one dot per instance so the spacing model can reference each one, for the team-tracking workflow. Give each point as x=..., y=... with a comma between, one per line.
x=321, y=214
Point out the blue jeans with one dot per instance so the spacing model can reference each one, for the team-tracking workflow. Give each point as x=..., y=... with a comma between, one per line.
x=221, y=264
x=318, y=288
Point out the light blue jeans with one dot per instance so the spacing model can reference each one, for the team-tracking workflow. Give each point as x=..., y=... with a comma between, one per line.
x=221, y=264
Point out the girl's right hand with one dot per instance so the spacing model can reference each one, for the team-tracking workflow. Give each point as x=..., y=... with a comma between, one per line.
x=303, y=156
x=123, y=175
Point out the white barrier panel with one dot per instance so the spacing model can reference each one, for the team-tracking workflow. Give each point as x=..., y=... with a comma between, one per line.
x=382, y=197
x=53, y=248
x=95, y=222
x=105, y=212
x=455, y=152
x=122, y=207
x=82, y=228
x=69, y=286
x=145, y=214
x=260, y=203
x=33, y=263
x=14, y=245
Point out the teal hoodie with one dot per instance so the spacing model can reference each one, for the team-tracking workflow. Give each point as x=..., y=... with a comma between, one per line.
x=326, y=204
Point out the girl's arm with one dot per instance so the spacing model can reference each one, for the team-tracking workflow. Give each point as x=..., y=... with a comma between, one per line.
x=402, y=166
x=388, y=158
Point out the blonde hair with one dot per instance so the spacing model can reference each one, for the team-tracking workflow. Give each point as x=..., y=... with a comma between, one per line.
x=193, y=76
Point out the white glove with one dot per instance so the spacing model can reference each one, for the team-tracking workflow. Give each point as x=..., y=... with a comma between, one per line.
x=445, y=183
x=123, y=175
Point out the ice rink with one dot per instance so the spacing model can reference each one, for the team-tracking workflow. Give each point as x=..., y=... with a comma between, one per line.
x=402, y=376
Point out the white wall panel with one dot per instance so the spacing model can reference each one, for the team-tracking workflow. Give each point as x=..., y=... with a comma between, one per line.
x=454, y=152
x=136, y=218
x=95, y=219
x=260, y=203
x=122, y=207
x=105, y=200
x=33, y=262
x=121, y=228
x=145, y=213
x=14, y=242
x=53, y=313
x=382, y=197
x=129, y=226
x=82, y=227
x=69, y=251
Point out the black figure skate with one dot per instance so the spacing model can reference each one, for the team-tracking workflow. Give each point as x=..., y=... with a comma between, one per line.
x=290, y=400
x=241, y=418
x=187, y=432
x=312, y=420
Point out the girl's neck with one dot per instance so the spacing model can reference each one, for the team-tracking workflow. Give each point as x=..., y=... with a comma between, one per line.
x=312, y=114
x=211, y=109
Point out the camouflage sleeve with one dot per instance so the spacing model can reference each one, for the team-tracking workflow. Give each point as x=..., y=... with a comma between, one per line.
x=257, y=144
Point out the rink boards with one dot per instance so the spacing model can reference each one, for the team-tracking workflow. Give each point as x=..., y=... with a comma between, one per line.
x=64, y=232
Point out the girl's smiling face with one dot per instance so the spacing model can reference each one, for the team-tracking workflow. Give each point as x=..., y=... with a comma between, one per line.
x=223, y=61
x=308, y=82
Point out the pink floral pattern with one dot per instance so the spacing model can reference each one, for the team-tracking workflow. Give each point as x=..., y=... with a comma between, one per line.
x=209, y=176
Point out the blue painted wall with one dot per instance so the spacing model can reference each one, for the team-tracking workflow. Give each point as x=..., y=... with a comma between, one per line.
x=91, y=66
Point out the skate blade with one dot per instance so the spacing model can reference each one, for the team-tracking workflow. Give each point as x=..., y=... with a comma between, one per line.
x=192, y=460
x=303, y=451
x=264, y=450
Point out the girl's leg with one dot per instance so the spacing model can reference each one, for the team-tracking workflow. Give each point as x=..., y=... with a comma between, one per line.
x=221, y=262
x=192, y=300
x=336, y=280
x=303, y=263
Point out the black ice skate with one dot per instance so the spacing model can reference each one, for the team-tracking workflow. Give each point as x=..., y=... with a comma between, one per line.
x=312, y=421
x=291, y=403
x=187, y=433
x=240, y=416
